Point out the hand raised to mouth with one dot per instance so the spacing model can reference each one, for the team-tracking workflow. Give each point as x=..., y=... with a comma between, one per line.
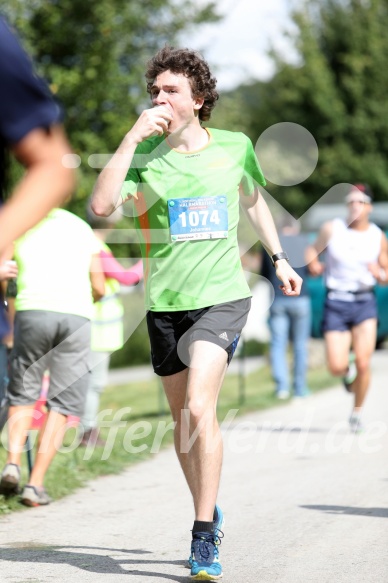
x=152, y=122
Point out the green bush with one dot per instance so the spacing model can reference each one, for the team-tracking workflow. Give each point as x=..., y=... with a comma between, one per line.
x=253, y=347
x=136, y=349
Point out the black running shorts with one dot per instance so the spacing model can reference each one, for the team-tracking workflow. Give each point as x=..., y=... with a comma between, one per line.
x=171, y=333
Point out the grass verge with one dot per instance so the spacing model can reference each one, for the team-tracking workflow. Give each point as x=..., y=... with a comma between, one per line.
x=136, y=423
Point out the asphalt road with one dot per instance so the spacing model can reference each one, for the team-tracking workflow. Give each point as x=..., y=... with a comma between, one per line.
x=305, y=501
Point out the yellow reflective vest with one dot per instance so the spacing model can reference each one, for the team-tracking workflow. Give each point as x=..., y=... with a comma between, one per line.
x=107, y=322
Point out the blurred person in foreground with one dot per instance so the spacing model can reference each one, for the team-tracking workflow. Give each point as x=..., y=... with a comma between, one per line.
x=289, y=317
x=356, y=258
x=59, y=278
x=107, y=334
x=187, y=181
x=30, y=130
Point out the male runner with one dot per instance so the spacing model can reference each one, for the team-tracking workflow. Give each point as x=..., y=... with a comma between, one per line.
x=356, y=259
x=186, y=181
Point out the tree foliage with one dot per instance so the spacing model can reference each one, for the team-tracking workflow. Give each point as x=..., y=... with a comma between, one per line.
x=337, y=91
x=94, y=54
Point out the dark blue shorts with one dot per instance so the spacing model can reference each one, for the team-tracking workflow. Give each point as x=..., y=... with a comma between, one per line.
x=342, y=316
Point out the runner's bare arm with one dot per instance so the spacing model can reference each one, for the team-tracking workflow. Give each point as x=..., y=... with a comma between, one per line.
x=313, y=251
x=261, y=219
x=107, y=191
x=45, y=185
x=380, y=269
x=8, y=268
x=97, y=277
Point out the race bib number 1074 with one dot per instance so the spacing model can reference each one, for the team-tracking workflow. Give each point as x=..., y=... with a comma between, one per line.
x=198, y=218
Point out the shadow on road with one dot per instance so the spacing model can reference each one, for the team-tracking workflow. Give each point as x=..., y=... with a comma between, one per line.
x=352, y=510
x=94, y=563
x=275, y=428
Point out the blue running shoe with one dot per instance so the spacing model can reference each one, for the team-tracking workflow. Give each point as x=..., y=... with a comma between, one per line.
x=219, y=522
x=205, y=565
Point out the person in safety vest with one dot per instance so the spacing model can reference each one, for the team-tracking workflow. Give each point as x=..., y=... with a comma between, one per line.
x=107, y=324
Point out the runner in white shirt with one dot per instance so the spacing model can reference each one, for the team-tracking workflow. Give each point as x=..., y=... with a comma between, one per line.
x=356, y=258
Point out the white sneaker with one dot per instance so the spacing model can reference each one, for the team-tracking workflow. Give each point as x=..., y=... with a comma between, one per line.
x=34, y=496
x=356, y=424
x=9, y=481
x=351, y=374
x=283, y=395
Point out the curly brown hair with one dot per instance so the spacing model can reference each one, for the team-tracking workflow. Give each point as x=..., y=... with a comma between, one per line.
x=193, y=66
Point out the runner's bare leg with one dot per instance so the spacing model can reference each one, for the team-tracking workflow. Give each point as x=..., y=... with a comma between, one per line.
x=192, y=395
x=364, y=343
x=337, y=351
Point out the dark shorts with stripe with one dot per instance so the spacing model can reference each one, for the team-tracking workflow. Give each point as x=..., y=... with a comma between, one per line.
x=171, y=333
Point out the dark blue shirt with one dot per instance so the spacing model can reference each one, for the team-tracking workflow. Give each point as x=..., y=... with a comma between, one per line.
x=295, y=246
x=25, y=102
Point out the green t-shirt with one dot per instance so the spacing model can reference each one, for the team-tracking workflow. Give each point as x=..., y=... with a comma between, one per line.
x=181, y=270
x=54, y=262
